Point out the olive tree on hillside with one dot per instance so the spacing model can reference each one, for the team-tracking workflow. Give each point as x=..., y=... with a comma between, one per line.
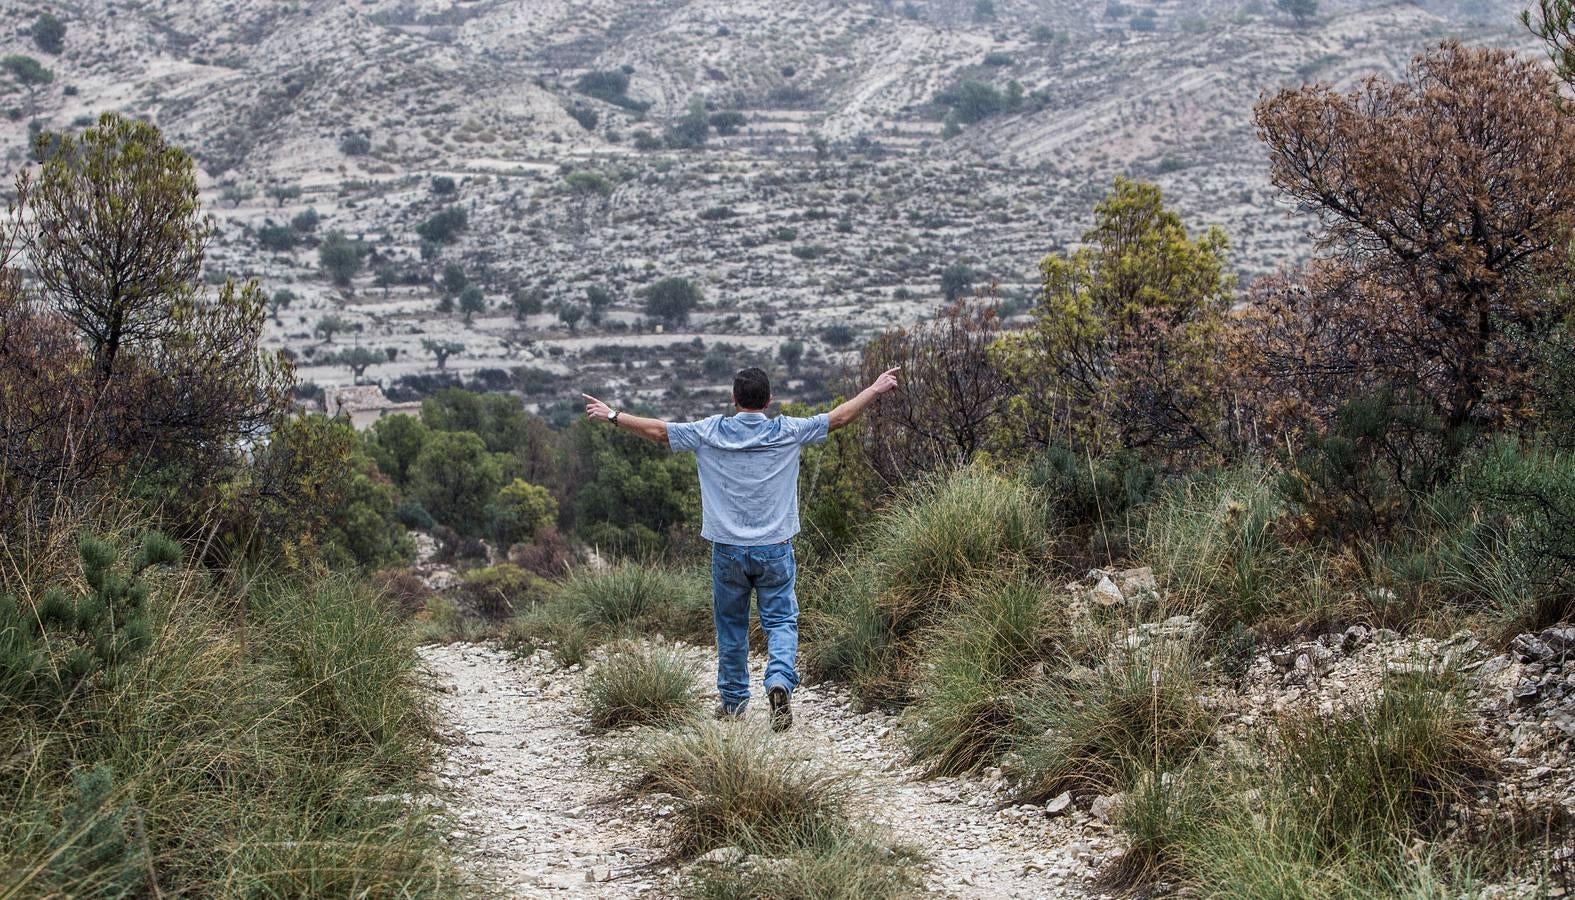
x=49, y=33
x=340, y=258
x=672, y=299
x=442, y=350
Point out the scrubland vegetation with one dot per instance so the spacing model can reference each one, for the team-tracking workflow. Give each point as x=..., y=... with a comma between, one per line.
x=1377, y=439
x=204, y=693
x=192, y=702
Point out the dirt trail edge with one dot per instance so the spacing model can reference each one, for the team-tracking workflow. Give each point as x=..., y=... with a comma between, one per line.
x=530, y=794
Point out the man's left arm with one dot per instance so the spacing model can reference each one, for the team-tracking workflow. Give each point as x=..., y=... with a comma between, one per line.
x=654, y=430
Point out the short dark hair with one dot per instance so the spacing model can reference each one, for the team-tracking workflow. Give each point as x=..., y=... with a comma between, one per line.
x=751, y=388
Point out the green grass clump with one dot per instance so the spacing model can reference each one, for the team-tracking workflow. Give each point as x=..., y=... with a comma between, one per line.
x=1216, y=543
x=1344, y=797
x=552, y=625
x=250, y=748
x=639, y=598
x=1160, y=815
x=1092, y=731
x=966, y=715
x=743, y=787
x=627, y=600
x=1386, y=771
x=949, y=534
x=847, y=636
x=869, y=620
x=835, y=865
x=740, y=784
x=642, y=685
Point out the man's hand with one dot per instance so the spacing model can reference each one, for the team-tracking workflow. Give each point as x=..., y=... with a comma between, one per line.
x=887, y=381
x=849, y=410
x=651, y=429
x=596, y=409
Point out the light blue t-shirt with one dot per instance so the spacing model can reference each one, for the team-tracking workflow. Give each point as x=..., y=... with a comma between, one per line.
x=748, y=473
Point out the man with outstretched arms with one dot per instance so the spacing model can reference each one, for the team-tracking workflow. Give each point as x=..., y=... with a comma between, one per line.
x=749, y=497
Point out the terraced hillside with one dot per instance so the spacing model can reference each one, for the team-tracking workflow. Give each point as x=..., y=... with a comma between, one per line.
x=824, y=210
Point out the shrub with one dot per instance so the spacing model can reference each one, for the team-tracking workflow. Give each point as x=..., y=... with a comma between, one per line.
x=355, y=144
x=951, y=399
x=444, y=227
x=965, y=715
x=584, y=115
x=521, y=511
x=634, y=598
x=828, y=865
x=672, y=299
x=49, y=33
x=972, y=101
x=950, y=533
x=728, y=122
x=610, y=87
x=1082, y=490
x=443, y=186
x=454, y=478
x=278, y=238
x=956, y=281
x=641, y=685
x=739, y=786
x=498, y=592
x=1126, y=349
x=1139, y=711
x=340, y=257
x=839, y=335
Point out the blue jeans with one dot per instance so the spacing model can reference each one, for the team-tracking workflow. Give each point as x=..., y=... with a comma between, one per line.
x=769, y=572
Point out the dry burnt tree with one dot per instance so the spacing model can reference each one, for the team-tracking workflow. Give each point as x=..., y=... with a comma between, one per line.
x=111, y=355
x=952, y=393
x=1446, y=200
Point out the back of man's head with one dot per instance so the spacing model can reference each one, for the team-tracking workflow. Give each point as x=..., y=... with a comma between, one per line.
x=751, y=389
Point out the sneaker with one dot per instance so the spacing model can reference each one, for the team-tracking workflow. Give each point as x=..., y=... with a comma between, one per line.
x=781, y=709
x=725, y=713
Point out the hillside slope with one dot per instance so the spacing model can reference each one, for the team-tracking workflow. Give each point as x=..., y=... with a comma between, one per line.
x=839, y=201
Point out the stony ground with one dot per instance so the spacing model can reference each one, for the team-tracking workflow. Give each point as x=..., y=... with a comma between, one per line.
x=533, y=794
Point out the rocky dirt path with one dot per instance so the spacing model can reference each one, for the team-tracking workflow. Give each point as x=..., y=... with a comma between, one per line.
x=530, y=794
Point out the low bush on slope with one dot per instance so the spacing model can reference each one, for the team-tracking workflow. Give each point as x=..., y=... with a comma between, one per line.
x=162, y=732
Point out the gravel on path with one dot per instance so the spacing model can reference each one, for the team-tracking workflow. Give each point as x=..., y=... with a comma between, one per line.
x=535, y=813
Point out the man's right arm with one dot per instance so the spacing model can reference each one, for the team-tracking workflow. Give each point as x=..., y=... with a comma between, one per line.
x=654, y=430
x=848, y=411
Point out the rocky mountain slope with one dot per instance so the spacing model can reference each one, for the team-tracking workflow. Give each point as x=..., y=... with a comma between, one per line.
x=837, y=201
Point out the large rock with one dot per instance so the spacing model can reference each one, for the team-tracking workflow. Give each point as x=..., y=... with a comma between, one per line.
x=1106, y=594
x=1105, y=806
x=1531, y=649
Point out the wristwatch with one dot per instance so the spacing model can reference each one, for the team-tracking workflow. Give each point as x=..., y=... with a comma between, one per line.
x=613, y=417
